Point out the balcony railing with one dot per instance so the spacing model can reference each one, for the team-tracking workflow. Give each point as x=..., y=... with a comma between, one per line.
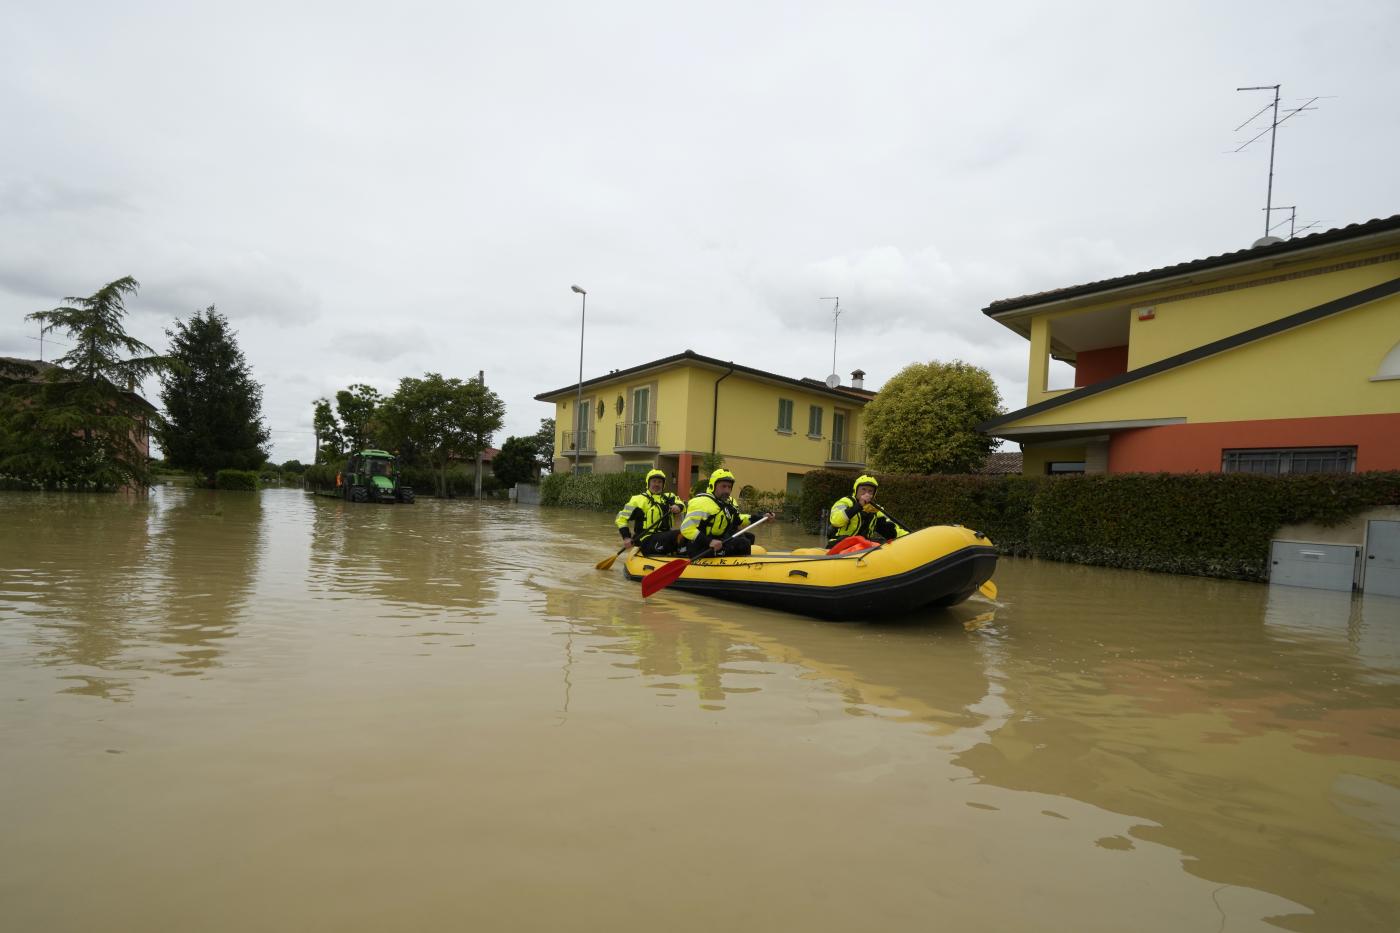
x=636, y=435
x=845, y=452
x=586, y=446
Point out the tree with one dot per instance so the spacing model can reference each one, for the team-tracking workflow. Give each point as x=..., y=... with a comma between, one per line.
x=330, y=440
x=543, y=441
x=356, y=407
x=517, y=461
x=80, y=423
x=213, y=406
x=440, y=420
x=293, y=466
x=925, y=419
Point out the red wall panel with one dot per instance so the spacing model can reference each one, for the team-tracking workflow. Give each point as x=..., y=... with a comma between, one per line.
x=1196, y=448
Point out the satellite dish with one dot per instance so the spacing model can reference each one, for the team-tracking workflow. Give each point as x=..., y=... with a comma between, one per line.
x=833, y=381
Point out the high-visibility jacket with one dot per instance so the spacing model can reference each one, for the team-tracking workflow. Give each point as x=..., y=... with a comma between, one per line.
x=847, y=518
x=645, y=515
x=707, y=517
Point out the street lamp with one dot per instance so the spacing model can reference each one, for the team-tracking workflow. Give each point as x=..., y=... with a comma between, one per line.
x=579, y=427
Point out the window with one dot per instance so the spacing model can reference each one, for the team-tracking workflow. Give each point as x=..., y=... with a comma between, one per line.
x=637, y=468
x=785, y=415
x=583, y=469
x=814, y=421
x=641, y=409
x=1064, y=467
x=1290, y=460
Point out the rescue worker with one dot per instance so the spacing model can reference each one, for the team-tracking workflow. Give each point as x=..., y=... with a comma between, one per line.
x=646, y=518
x=711, y=520
x=857, y=514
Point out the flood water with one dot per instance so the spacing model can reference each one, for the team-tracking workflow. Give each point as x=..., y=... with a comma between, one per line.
x=225, y=711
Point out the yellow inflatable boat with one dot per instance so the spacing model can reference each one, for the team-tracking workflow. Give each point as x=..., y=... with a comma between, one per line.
x=934, y=567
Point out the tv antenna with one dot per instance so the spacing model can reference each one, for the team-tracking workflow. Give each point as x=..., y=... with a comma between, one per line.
x=834, y=379
x=1292, y=221
x=42, y=338
x=1272, y=130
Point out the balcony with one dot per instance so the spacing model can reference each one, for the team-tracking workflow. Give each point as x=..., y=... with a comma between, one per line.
x=585, y=449
x=843, y=454
x=636, y=436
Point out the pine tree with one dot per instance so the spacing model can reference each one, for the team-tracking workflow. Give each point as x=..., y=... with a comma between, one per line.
x=213, y=406
x=79, y=423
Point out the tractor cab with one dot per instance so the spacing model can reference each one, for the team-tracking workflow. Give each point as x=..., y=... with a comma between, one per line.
x=373, y=476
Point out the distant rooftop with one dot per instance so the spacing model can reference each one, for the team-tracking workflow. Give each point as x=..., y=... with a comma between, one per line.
x=811, y=385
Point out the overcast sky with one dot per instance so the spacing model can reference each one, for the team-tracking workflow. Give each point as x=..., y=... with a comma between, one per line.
x=371, y=191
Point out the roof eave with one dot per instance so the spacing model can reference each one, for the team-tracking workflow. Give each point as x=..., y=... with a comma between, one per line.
x=1240, y=266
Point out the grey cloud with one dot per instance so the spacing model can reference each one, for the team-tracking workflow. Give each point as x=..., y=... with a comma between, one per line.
x=379, y=343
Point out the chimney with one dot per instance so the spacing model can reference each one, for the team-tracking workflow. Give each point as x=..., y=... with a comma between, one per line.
x=858, y=379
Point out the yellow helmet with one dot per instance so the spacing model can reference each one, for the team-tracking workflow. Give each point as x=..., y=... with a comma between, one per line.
x=716, y=476
x=655, y=473
x=864, y=481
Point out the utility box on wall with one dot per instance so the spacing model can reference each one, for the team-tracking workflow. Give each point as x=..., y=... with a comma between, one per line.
x=1318, y=566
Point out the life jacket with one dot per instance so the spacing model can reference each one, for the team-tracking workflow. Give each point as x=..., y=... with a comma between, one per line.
x=708, y=517
x=847, y=518
x=648, y=514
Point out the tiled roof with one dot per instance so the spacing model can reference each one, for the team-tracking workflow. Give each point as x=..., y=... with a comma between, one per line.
x=1002, y=461
x=1337, y=235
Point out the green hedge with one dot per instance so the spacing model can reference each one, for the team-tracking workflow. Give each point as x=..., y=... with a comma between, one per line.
x=236, y=479
x=1211, y=524
x=601, y=492
x=461, y=481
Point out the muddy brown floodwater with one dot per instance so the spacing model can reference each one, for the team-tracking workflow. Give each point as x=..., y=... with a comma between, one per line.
x=224, y=711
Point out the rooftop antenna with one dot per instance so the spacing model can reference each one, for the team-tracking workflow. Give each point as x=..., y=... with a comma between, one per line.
x=1291, y=220
x=41, y=339
x=834, y=379
x=1273, y=138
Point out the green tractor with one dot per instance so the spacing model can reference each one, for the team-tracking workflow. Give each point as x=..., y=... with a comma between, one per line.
x=373, y=476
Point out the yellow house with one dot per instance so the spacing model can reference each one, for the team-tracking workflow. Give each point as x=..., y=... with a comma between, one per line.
x=670, y=413
x=1284, y=357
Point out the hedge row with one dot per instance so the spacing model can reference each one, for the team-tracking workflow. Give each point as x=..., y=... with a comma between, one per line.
x=1210, y=524
x=236, y=479
x=461, y=482
x=600, y=492
x=606, y=492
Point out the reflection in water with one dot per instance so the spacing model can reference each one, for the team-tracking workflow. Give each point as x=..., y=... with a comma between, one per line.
x=202, y=557
x=390, y=554
x=1096, y=750
x=1176, y=700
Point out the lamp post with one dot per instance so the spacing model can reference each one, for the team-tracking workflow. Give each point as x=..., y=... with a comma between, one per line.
x=579, y=428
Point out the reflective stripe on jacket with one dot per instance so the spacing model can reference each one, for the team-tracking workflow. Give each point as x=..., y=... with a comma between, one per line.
x=649, y=514
x=706, y=517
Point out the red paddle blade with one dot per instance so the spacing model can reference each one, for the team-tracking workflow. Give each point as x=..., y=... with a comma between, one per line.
x=663, y=576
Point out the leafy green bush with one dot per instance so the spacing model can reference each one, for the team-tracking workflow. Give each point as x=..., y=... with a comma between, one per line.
x=236, y=479
x=1211, y=524
x=601, y=492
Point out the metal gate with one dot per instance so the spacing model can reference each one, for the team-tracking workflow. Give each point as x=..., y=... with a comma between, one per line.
x=1382, y=572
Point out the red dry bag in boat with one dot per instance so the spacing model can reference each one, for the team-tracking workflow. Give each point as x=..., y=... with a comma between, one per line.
x=853, y=543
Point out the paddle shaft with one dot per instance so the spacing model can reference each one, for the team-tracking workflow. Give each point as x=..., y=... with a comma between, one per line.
x=888, y=515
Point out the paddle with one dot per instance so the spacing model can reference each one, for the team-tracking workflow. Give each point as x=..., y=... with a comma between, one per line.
x=664, y=576
x=607, y=562
x=988, y=589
